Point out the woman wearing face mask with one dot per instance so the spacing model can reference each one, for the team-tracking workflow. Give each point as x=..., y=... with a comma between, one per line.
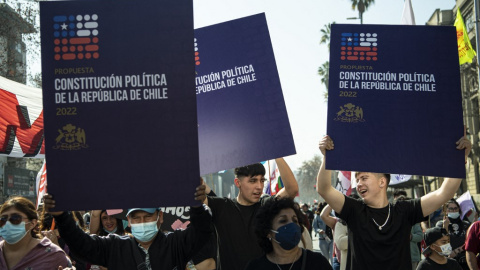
x=103, y=224
x=437, y=251
x=278, y=230
x=21, y=248
x=457, y=228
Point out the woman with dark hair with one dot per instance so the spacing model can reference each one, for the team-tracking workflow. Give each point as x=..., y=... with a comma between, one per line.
x=278, y=230
x=457, y=228
x=21, y=247
x=103, y=224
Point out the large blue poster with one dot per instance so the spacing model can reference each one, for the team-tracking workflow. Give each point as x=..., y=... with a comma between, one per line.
x=242, y=117
x=119, y=101
x=394, y=100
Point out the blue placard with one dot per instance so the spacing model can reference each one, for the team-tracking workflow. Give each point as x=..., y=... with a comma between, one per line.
x=120, y=110
x=241, y=111
x=394, y=100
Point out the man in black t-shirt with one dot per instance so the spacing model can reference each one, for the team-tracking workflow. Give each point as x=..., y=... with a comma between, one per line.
x=378, y=232
x=234, y=218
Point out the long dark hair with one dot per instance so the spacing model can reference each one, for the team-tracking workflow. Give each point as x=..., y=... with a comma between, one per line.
x=265, y=217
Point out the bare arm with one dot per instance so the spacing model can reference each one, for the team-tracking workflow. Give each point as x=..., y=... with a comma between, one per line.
x=95, y=221
x=290, y=188
x=436, y=199
x=332, y=196
x=325, y=216
x=472, y=261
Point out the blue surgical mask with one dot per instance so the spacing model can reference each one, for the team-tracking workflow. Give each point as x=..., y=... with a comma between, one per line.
x=288, y=236
x=454, y=215
x=145, y=232
x=13, y=233
x=110, y=232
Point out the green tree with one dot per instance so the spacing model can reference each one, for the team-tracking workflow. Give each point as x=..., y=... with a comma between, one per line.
x=325, y=39
x=361, y=6
x=323, y=71
x=306, y=177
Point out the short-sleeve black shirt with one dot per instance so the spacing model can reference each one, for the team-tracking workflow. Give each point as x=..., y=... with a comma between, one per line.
x=235, y=224
x=372, y=248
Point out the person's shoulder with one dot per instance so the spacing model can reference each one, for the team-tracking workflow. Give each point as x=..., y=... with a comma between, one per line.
x=51, y=250
x=257, y=263
x=316, y=257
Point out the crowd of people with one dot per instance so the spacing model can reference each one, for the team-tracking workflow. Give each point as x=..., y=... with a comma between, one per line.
x=252, y=231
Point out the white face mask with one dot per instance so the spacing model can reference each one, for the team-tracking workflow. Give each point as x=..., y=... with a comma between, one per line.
x=453, y=215
x=446, y=249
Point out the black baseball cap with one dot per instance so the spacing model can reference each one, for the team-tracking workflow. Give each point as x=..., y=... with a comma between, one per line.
x=432, y=235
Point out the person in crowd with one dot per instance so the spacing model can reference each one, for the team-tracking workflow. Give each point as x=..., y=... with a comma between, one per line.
x=306, y=210
x=103, y=224
x=399, y=192
x=472, y=246
x=416, y=235
x=306, y=241
x=327, y=244
x=278, y=231
x=21, y=248
x=379, y=231
x=233, y=218
x=457, y=228
x=340, y=237
x=147, y=249
x=437, y=251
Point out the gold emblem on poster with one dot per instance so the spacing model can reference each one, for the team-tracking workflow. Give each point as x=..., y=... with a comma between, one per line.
x=350, y=113
x=70, y=137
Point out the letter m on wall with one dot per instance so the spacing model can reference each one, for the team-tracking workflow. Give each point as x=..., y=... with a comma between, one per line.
x=18, y=135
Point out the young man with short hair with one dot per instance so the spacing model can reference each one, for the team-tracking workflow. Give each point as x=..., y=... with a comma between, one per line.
x=234, y=219
x=379, y=231
x=438, y=249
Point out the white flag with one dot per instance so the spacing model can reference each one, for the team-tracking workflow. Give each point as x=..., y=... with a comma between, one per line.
x=408, y=18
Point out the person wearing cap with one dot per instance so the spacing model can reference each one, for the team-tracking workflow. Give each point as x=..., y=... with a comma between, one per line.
x=437, y=251
x=379, y=231
x=148, y=249
x=234, y=218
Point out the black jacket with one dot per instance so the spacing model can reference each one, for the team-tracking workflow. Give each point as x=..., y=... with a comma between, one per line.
x=118, y=252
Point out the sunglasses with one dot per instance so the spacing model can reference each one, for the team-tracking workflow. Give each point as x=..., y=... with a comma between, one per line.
x=15, y=219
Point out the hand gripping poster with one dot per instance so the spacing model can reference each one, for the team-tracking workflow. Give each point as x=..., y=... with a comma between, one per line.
x=242, y=118
x=394, y=100
x=119, y=101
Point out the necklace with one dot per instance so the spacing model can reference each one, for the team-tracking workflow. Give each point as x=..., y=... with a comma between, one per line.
x=381, y=227
x=290, y=265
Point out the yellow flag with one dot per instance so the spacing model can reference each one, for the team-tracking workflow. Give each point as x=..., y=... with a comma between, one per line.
x=465, y=50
